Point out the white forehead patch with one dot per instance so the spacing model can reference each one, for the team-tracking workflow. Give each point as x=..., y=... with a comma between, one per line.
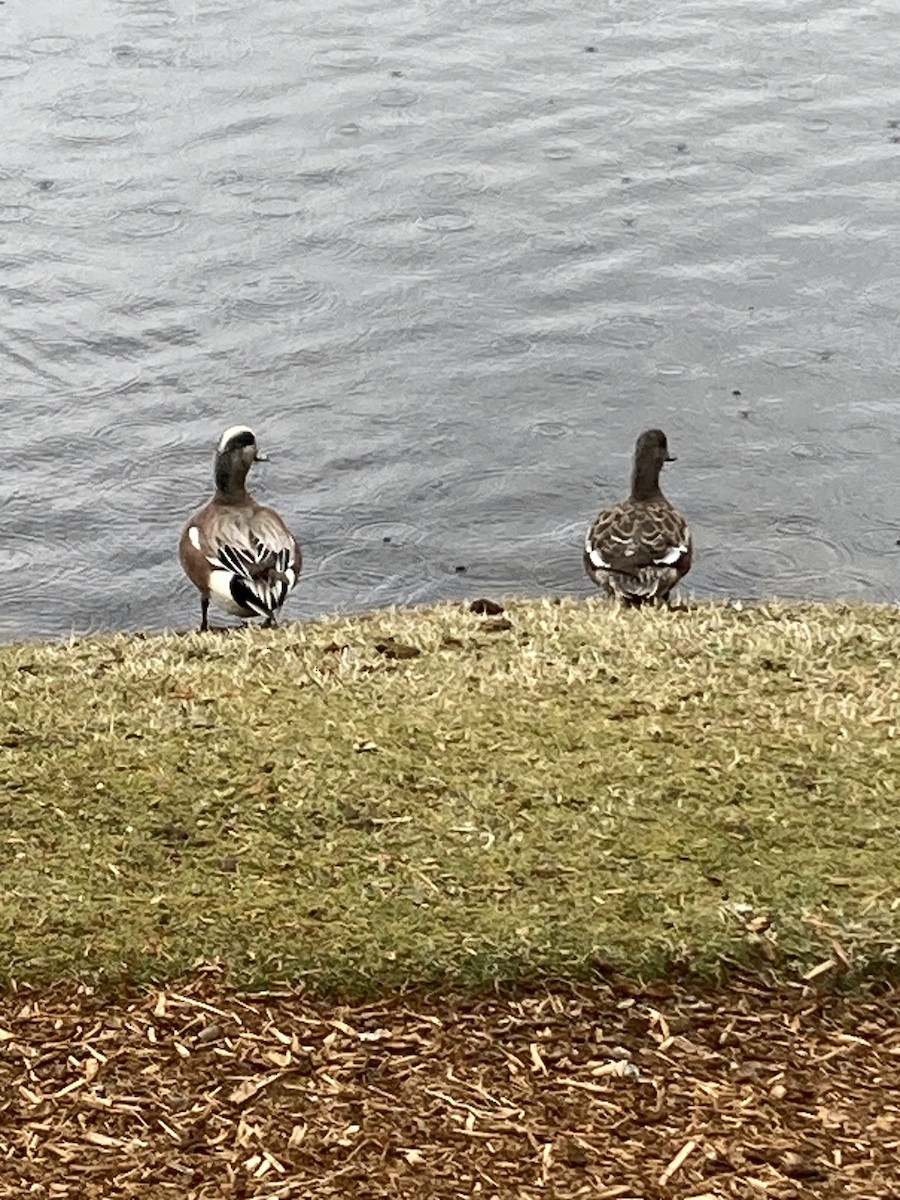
x=231, y=432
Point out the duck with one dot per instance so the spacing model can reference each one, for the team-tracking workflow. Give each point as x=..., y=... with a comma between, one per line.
x=239, y=553
x=638, y=550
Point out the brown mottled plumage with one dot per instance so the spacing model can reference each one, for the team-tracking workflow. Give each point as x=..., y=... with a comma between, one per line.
x=638, y=550
x=237, y=552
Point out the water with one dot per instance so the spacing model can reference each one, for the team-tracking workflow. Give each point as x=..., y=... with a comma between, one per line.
x=448, y=258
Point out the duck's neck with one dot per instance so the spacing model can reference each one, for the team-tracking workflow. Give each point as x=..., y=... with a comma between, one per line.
x=645, y=479
x=230, y=476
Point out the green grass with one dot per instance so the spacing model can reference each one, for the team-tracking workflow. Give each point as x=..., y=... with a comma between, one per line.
x=590, y=788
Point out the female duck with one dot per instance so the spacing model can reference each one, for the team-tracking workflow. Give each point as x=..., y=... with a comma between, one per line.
x=237, y=552
x=639, y=549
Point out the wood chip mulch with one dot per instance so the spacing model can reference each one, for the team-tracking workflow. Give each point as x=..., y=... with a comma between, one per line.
x=609, y=1093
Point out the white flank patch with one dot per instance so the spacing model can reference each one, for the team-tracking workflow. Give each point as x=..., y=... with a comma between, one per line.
x=194, y=537
x=671, y=557
x=220, y=593
x=597, y=559
x=231, y=432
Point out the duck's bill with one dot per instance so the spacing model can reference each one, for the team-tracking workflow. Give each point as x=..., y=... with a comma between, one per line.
x=260, y=457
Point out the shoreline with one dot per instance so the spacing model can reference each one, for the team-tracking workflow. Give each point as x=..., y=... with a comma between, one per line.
x=688, y=604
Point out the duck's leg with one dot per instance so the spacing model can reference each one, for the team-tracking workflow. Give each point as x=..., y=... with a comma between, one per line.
x=204, y=614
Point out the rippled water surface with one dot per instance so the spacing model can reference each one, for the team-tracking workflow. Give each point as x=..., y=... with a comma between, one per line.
x=447, y=257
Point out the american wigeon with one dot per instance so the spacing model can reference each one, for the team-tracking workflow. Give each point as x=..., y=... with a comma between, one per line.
x=237, y=552
x=638, y=550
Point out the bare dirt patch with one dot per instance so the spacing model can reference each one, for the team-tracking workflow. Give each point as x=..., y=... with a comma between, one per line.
x=607, y=1092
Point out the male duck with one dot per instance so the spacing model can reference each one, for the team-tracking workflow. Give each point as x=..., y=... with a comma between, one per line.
x=639, y=549
x=237, y=552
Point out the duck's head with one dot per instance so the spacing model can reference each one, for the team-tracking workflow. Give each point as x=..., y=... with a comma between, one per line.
x=650, y=452
x=236, y=453
x=653, y=447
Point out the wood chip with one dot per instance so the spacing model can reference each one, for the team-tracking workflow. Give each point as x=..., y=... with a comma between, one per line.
x=524, y=1095
x=249, y=1088
x=677, y=1162
x=536, y=1060
x=102, y=1139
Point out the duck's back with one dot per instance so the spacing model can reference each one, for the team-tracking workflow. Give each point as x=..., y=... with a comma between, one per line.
x=638, y=550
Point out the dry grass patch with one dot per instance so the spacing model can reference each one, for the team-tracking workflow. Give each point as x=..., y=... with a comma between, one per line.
x=547, y=791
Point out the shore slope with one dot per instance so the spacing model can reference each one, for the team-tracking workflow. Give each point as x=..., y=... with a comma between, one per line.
x=437, y=796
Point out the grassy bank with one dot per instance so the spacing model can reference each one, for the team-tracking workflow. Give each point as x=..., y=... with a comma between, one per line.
x=557, y=789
